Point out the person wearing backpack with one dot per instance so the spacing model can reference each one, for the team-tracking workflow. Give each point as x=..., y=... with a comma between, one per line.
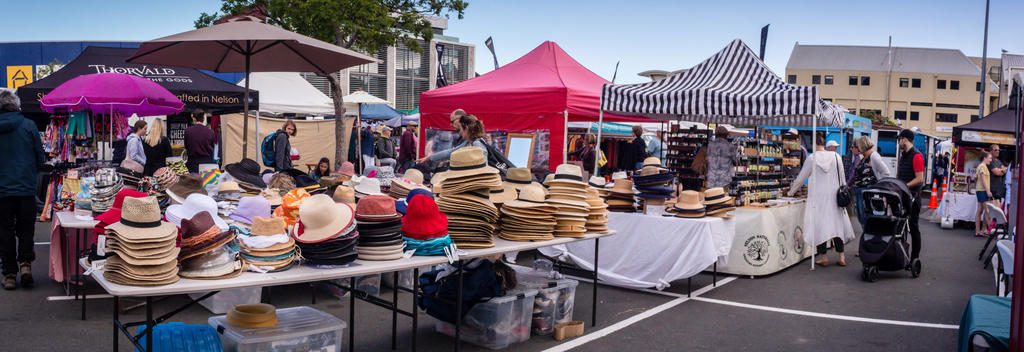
x=283, y=146
x=471, y=129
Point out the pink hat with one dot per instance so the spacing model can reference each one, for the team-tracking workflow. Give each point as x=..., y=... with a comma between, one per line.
x=347, y=169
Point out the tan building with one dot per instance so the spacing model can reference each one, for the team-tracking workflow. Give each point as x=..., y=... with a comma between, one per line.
x=932, y=89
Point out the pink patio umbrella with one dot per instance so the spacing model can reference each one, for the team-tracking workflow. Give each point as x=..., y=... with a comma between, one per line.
x=248, y=45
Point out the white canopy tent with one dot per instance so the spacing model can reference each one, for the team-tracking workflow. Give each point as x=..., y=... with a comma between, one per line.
x=289, y=93
x=355, y=102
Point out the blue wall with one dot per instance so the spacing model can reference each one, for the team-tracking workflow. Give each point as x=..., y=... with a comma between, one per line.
x=42, y=53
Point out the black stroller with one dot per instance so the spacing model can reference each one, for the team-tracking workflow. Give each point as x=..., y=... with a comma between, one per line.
x=885, y=243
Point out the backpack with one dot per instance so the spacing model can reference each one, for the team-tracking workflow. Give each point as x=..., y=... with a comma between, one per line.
x=267, y=148
x=482, y=280
x=497, y=159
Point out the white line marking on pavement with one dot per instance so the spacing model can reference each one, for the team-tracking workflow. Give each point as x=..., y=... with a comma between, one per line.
x=68, y=298
x=632, y=320
x=827, y=316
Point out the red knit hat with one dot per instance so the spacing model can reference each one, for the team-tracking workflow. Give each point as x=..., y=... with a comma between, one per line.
x=423, y=220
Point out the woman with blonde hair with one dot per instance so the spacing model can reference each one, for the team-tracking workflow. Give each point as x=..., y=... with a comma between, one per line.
x=157, y=148
x=983, y=190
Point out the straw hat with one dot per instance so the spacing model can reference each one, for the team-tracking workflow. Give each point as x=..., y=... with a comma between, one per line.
x=272, y=195
x=618, y=175
x=282, y=181
x=518, y=177
x=622, y=186
x=505, y=194
x=653, y=162
x=140, y=220
x=321, y=218
x=345, y=194
x=688, y=205
x=597, y=182
x=568, y=175
x=267, y=226
x=531, y=196
x=469, y=161
x=228, y=187
x=718, y=203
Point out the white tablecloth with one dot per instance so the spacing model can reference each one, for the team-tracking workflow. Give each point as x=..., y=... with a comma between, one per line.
x=651, y=250
x=767, y=240
x=960, y=206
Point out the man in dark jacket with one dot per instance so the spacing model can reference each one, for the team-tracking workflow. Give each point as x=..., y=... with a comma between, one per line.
x=385, y=147
x=23, y=155
x=911, y=171
x=407, y=146
x=199, y=142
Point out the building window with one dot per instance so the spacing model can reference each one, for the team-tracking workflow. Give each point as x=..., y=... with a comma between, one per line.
x=829, y=80
x=919, y=103
x=865, y=80
x=816, y=79
x=900, y=115
x=412, y=74
x=853, y=80
x=904, y=82
x=791, y=79
x=914, y=115
x=944, y=117
x=940, y=84
x=915, y=83
x=372, y=77
x=974, y=118
x=977, y=86
x=954, y=85
x=956, y=106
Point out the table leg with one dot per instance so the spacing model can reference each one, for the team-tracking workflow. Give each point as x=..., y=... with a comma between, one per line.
x=351, y=314
x=415, y=309
x=80, y=271
x=149, y=323
x=458, y=308
x=116, y=330
x=74, y=260
x=394, y=312
x=312, y=293
x=714, y=275
x=593, y=312
x=67, y=254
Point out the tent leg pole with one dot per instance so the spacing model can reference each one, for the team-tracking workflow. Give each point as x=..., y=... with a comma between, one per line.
x=565, y=139
x=259, y=153
x=814, y=148
x=600, y=126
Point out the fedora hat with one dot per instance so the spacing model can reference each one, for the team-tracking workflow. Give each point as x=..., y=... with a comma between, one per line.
x=531, y=196
x=192, y=205
x=200, y=234
x=376, y=208
x=622, y=186
x=246, y=170
x=186, y=186
x=272, y=195
x=320, y=218
x=505, y=194
x=689, y=201
x=140, y=221
x=519, y=177
x=344, y=194
x=249, y=208
x=619, y=175
x=568, y=175
x=469, y=161
x=597, y=182
x=368, y=186
x=716, y=196
x=228, y=187
x=653, y=162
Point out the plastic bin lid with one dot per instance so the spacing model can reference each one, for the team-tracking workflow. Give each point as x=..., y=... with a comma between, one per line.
x=514, y=294
x=541, y=283
x=183, y=337
x=291, y=322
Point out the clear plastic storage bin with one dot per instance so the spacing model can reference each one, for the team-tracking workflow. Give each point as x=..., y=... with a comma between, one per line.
x=553, y=304
x=297, y=329
x=223, y=301
x=496, y=323
x=405, y=278
x=369, y=284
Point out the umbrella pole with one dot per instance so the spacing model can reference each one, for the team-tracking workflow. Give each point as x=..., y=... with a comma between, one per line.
x=359, y=138
x=259, y=153
x=245, y=108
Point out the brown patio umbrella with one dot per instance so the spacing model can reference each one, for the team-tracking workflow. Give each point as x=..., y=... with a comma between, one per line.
x=247, y=45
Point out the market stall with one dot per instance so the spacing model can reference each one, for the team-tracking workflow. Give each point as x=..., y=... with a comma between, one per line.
x=735, y=87
x=969, y=140
x=538, y=93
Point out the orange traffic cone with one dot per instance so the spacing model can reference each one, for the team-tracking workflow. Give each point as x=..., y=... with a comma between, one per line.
x=942, y=194
x=933, y=203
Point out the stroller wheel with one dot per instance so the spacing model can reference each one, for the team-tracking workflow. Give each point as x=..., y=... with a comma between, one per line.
x=915, y=268
x=870, y=274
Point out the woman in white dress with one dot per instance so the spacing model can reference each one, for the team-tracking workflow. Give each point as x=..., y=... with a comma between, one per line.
x=824, y=220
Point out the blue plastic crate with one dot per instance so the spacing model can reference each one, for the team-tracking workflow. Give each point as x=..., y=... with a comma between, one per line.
x=181, y=337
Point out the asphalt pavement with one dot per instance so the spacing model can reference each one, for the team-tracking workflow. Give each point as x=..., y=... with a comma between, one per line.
x=793, y=310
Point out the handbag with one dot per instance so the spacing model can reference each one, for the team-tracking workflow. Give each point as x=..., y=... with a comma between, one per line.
x=843, y=194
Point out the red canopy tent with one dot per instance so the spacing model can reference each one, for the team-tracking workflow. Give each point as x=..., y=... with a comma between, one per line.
x=540, y=91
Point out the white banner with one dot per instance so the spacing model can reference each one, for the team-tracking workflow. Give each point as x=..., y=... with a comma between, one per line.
x=767, y=240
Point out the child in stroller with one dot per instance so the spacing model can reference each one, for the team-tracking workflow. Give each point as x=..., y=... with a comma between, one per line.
x=885, y=242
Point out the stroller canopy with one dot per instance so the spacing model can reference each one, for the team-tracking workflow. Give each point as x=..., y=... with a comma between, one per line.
x=894, y=185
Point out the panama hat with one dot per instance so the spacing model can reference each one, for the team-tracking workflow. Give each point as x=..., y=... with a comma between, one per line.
x=622, y=186
x=568, y=175
x=469, y=161
x=228, y=187
x=345, y=194
x=688, y=205
x=518, y=177
x=192, y=205
x=368, y=186
x=715, y=196
x=272, y=195
x=653, y=162
x=505, y=194
x=531, y=196
x=547, y=179
x=320, y=218
x=597, y=182
x=186, y=186
x=140, y=221
x=618, y=175
x=200, y=234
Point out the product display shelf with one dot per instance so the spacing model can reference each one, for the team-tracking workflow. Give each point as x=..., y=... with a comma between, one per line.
x=760, y=175
x=682, y=145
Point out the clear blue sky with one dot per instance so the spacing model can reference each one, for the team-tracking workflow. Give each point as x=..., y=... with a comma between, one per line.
x=641, y=34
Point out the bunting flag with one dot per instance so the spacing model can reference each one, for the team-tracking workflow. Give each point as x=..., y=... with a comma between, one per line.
x=441, y=81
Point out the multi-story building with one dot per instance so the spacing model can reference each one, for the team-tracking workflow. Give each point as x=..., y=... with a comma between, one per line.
x=403, y=73
x=1009, y=66
x=932, y=89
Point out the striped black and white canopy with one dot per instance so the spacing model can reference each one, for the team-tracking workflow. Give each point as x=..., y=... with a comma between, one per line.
x=732, y=86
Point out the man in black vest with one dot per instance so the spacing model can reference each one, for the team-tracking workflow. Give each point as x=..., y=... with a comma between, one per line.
x=911, y=171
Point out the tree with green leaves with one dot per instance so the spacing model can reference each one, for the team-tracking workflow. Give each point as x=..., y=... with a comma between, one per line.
x=363, y=25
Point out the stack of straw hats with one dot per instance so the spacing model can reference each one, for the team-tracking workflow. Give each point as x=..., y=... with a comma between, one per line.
x=267, y=248
x=465, y=198
x=688, y=205
x=504, y=194
x=400, y=187
x=108, y=183
x=424, y=227
x=380, y=229
x=653, y=182
x=204, y=251
x=520, y=177
x=597, y=219
x=326, y=233
x=568, y=193
x=144, y=253
x=621, y=196
x=528, y=218
x=598, y=183
x=718, y=203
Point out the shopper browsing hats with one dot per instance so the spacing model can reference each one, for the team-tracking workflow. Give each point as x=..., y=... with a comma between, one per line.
x=23, y=156
x=380, y=229
x=246, y=171
x=529, y=217
x=283, y=146
x=326, y=232
x=425, y=228
x=471, y=130
x=157, y=148
x=268, y=247
x=204, y=252
x=144, y=252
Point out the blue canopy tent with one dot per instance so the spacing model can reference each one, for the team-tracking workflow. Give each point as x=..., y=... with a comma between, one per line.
x=402, y=120
x=378, y=112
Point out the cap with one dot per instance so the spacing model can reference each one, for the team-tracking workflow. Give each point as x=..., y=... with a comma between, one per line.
x=832, y=144
x=908, y=134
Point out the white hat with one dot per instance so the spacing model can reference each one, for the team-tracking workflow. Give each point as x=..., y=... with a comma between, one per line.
x=832, y=144
x=792, y=131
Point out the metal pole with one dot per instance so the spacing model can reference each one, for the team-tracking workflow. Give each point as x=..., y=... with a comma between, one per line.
x=245, y=107
x=888, y=79
x=565, y=139
x=600, y=126
x=814, y=149
x=359, y=138
x=984, y=67
x=259, y=153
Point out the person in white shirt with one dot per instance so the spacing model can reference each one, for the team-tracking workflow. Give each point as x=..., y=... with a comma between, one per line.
x=824, y=220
